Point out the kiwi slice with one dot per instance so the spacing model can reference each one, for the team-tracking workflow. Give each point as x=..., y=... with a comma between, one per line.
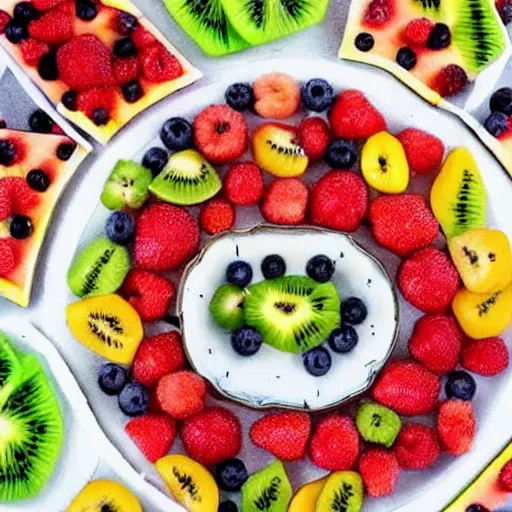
x=226, y=307
x=293, y=313
x=268, y=490
x=186, y=179
x=100, y=268
x=205, y=21
x=343, y=492
x=378, y=424
x=10, y=368
x=259, y=21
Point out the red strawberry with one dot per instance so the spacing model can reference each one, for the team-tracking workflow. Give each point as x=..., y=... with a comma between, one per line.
x=166, y=237
x=54, y=28
x=456, y=426
x=5, y=200
x=449, y=81
x=217, y=216
x=314, y=137
x=379, y=470
x=486, y=357
x=46, y=5
x=407, y=387
x=153, y=434
x=220, y=134
x=142, y=38
x=85, y=62
x=428, y=280
x=97, y=98
x=423, y=150
x=7, y=261
x=285, y=435
x=339, y=200
x=416, y=447
x=378, y=13
x=32, y=50
x=159, y=65
x=354, y=117
x=402, y=223
x=505, y=477
x=5, y=17
x=126, y=70
x=212, y=436
x=335, y=443
x=418, y=31
x=181, y=394
x=243, y=184
x=285, y=201
x=436, y=343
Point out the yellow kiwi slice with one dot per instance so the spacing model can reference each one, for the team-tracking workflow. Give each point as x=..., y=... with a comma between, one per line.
x=342, y=491
x=108, y=325
x=306, y=497
x=190, y=484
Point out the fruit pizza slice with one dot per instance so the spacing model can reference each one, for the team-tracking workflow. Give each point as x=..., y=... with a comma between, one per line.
x=100, y=62
x=34, y=170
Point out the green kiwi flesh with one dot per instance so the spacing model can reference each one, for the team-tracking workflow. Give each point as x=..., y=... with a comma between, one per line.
x=226, y=307
x=378, y=424
x=343, y=492
x=10, y=368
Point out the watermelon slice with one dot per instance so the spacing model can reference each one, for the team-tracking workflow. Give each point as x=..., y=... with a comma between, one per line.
x=34, y=170
x=101, y=63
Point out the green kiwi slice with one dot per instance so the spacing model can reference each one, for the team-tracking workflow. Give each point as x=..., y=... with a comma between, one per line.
x=226, y=307
x=268, y=490
x=187, y=179
x=292, y=313
x=10, y=368
x=343, y=492
x=378, y=424
x=260, y=21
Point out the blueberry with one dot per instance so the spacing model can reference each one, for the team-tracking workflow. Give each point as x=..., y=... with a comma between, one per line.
x=406, y=58
x=501, y=101
x=227, y=506
x=240, y=96
x=65, y=150
x=112, y=378
x=134, y=399
x=69, y=100
x=496, y=123
x=20, y=227
x=100, y=117
x=3, y=124
x=86, y=10
x=320, y=268
x=317, y=361
x=353, y=311
x=476, y=507
x=460, y=384
x=273, y=266
x=506, y=13
x=341, y=154
x=124, y=48
x=25, y=12
x=7, y=152
x=120, y=228
x=177, y=134
x=126, y=23
x=38, y=180
x=40, y=122
x=317, y=95
x=231, y=475
x=364, y=42
x=132, y=91
x=343, y=339
x=239, y=273
x=47, y=67
x=440, y=37
x=155, y=160
x=246, y=341
x=16, y=32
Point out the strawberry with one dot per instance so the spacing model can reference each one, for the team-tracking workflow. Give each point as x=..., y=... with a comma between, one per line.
x=416, y=447
x=285, y=435
x=243, y=184
x=97, y=98
x=217, y=216
x=166, y=237
x=285, y=202
x=379, y=470
x=142, y=38
x=486, y=357
x=5, y=18
x=159, y=65
x=7, y=261
x=449, y=81
x=53, y=28
x=126, y=70
x=153, y=434
x=46, y=5
x=428, y=280
x=418, y=31
x=402, y=223
x=212, y=436
x=335, y=443
x=505, y=477
x=436, y=343
x=456, y=426
x=378, y=13
x=354, y=117
x=5, y=200
x=339, y=200
x=314, y=137
x=32, y=50
x=407, y=387
x=423, y=150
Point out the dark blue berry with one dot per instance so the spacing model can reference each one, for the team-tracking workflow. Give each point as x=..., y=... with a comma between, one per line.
x=177, y=134
x=231, y=475
x=506, y=13
x=69, y=100
x=20, y=227
x=100, y=117
x=364, y=42
x=353, y=311
x=343, y=339
x=273, y=266
x=134, y=399
x=228, y=506
x=38, y=180
x=406, y=58
x=246, y=341
x=155, y=160
x=112, y=378
x=65, y=150
x=124, y=48
x=317, y=95
x=126, y=23
x=16, y=32
x=341, y=154
x=132, y=91
x=320, y=268
x=239, y=273
x=496, y=123
x=476, y=507
x=86, y=10
x=317, y=361
x=440, y=37
x=460, y=384
x=7, y=152
x=240, y=96
x=25, y=12
x=40, y=122
x=120, y=228
x=501, y=101
x=47, y=67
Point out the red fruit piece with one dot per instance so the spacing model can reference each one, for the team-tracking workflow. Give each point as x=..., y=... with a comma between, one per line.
x=166, y=237
x=335, y=443
x=5, y=200
x=339, y=200
x=423, y=150
x=181, y=394
x=314, y=137
x=126, y=70
x=285, y=201
x=402, y=223
x=416, y=447
x=378, y=13
x=451, y=80
x=243, y=184
x=7, y=261
x=505, y=477
x=486, y=357
x=456, y=426
x=32, y=51
x=54, y=28
x=428, y=280
x=5, y=17
x=217, y=216
x=22, y=197
x=153, y=434
x=159, y=65
x=354, y=117
x=220, y=134
x=418, y=31
x=212, y=436
x=407, y=387
x=379, y=470
x=46, y=5
x=97, y=98
x=142, y=38
x=285, y=435
x=436, y=343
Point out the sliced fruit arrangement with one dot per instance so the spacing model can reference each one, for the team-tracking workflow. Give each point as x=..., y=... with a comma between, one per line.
x=100, y=62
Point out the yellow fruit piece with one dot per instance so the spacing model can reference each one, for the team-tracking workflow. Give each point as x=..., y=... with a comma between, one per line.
x=108, y=325
x=342, y=491
x=483, y=259
x=306, y=497
x=190, y=484
x=384, y=164
x=483, y=315
x=101, y=495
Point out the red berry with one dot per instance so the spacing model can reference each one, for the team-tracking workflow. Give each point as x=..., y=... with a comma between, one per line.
x=505, y=477
x=142, y=38
x=285, y=435
x=456, y=426
x=416, y=447
x=159, y=65
x=212, y=436
x=4, y=20
x=57, y=130
x=285, y=201
x=418, y=31
x=126, y=70
x=32, y=51
x=451, y=80
x=54, y=28
x=314, y=137
x=423, y=150
x=46, y=5
x=379, y=470
x=486, y=357
x=22, y=197
x=7, y=261
x=243, y=184
x=5, y=200
x=217, y=216
x=90, y=100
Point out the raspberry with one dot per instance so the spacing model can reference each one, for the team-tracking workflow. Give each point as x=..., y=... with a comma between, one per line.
x=379, y=470
x=243, y=184
x=451, y=80
x=142, y=38
x=505, y=477
x=126, y=70
x=416, y=446
x=91, y=100
x=7, y=261
x=33, y=50
x=456, y=426
x=314, y=136
x=285, y=202
x=54, y=28
x=217, y=216
x=418, y=31
x=277, y=96
x=4, y=20
x=159, y=65
x=378, y=13
x=486, y=357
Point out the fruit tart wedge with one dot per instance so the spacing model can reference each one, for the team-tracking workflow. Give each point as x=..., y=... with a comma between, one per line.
x=100, y=62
